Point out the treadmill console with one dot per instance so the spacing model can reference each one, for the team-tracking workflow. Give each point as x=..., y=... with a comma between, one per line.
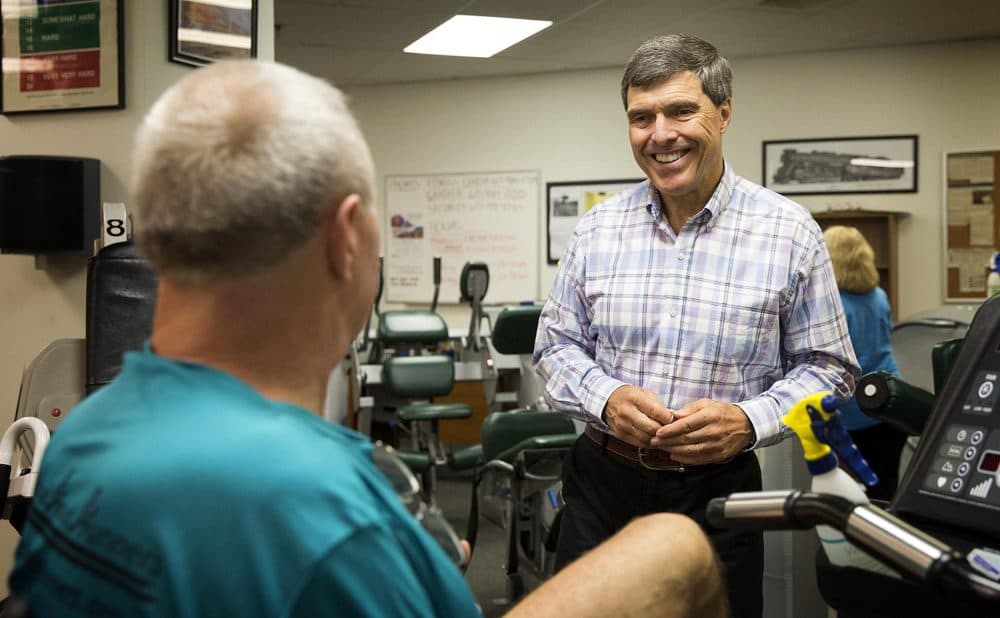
x=953, y=479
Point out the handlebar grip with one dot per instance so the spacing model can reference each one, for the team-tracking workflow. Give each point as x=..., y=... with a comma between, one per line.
x=881, y=534
x=763, y=510
x=891, y=399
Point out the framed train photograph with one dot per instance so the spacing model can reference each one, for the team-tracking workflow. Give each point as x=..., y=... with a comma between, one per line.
x=879, y=164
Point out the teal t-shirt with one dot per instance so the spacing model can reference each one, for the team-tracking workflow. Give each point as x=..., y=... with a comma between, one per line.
x=179, y=490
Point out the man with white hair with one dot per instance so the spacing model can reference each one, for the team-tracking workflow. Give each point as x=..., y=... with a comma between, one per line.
x=203, y=480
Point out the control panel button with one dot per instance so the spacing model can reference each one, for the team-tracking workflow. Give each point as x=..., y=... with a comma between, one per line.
x=985, y=390
x=977, y=437
x=956, y=485
x=963, y=469
x=982, y=395
x=970, y=453
x=952, y=451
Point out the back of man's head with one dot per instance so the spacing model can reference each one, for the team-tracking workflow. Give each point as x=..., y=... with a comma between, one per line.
x=235, y=165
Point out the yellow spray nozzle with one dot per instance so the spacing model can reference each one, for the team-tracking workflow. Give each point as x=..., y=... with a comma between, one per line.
x=798, y=419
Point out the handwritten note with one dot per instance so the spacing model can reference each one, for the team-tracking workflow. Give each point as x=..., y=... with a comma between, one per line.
x=490, y=217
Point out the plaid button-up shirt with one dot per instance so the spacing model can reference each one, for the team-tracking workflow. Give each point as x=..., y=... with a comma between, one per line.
x=740, y=306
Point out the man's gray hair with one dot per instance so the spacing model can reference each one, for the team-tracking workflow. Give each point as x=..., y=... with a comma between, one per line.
x=235, y=165
x=660, y=58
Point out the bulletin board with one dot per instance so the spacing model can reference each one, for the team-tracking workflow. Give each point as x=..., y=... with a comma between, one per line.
x=485, y=217
x=971, y=221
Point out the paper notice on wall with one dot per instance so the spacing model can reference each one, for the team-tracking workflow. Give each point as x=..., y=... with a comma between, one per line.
x=970, y=168
x=981, y=227
x=973, y=207
x=959, y=205
x=407, y=251
x=971, y=265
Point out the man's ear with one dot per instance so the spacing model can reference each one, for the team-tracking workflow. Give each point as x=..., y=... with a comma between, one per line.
x=342, y=238
x=726, y=114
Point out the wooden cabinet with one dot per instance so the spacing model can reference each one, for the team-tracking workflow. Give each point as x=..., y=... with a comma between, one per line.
x=879, y=228
x=466, y=431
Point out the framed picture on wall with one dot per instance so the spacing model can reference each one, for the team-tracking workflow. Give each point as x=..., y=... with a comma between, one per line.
x=62, y=56
x=203, y=32
x=880, y=164
x=566, y=202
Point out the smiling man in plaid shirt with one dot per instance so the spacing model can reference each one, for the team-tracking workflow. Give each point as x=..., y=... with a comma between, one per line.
x=688, y=314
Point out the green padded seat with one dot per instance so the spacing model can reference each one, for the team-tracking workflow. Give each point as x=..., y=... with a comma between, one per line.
x=547, y=441
x=417, y=462
x=433, y=411
x=514, y=329
x=424, y=376
x=411, y=327
x=504, y=432
x=466, y=458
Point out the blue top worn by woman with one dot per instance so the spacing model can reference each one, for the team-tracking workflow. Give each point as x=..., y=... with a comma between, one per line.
x=869, y=322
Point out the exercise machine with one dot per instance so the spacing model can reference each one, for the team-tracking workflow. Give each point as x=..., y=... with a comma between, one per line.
x=942, y=528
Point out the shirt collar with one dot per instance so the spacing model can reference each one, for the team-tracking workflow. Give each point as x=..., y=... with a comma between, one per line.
x=723, y=192
x=718, y=201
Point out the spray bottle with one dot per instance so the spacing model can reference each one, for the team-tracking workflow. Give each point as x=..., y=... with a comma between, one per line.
x=993, y=279
x=816, y=422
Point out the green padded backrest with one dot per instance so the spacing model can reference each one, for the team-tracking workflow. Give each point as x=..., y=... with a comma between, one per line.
x=502, y=430
x=943, y=356
x=423, y=327
x=514, y=330
x=419, y=376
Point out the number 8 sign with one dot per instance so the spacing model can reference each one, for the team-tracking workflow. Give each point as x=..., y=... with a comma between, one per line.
x=115, y=225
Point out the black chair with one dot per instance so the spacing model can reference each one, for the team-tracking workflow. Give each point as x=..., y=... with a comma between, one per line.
x=121, y=297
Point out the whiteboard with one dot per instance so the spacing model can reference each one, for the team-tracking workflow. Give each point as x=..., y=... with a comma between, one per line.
x=487, y=217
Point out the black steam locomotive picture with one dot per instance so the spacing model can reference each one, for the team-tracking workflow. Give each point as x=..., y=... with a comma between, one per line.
x=817, y=166
x=841, y=165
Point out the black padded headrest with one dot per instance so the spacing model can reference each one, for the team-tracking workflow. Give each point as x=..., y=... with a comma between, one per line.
x=474, y=281
x=121, y=296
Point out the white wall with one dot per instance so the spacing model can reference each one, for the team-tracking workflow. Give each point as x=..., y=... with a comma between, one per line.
x=571, y=126
x=37, y=306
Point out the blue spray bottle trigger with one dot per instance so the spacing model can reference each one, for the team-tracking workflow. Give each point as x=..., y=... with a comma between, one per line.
x=831, y=431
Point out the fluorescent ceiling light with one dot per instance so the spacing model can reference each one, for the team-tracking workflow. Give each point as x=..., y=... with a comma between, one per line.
x=475, y=36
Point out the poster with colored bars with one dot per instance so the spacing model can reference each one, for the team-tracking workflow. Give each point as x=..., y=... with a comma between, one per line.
x=61, y=55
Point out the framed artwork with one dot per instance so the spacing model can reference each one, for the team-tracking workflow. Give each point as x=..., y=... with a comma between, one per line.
x=203, y=32
x=881, y=164
x=567, y=202
x=62, y=56
x=971, y=218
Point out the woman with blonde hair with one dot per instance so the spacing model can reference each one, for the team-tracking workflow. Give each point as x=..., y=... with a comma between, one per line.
x=866, y=307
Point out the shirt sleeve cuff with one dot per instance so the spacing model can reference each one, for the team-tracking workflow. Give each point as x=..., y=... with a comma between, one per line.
x=598, y=392
x=762, y=413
